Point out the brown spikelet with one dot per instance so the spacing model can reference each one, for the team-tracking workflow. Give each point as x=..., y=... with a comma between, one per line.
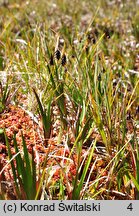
x=57, y=54
x=64, y=60
x=51, y=60
x=99, y=77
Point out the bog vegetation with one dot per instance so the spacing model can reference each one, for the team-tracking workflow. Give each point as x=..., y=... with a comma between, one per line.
x=69, y=99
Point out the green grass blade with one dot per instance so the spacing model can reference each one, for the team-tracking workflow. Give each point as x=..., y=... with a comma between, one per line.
x=27, y=171
x=46, y=119
x=34, y=175
x=76, y=194
x=135, y=183
x=19, y=162
x=13, y=166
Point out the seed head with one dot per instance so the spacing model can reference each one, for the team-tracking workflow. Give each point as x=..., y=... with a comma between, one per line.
x=51, y=60
x=137, y=110
x=87, y=49
x=99, y=77
x=64, y=60
x=57, y=54
x=128, y=116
